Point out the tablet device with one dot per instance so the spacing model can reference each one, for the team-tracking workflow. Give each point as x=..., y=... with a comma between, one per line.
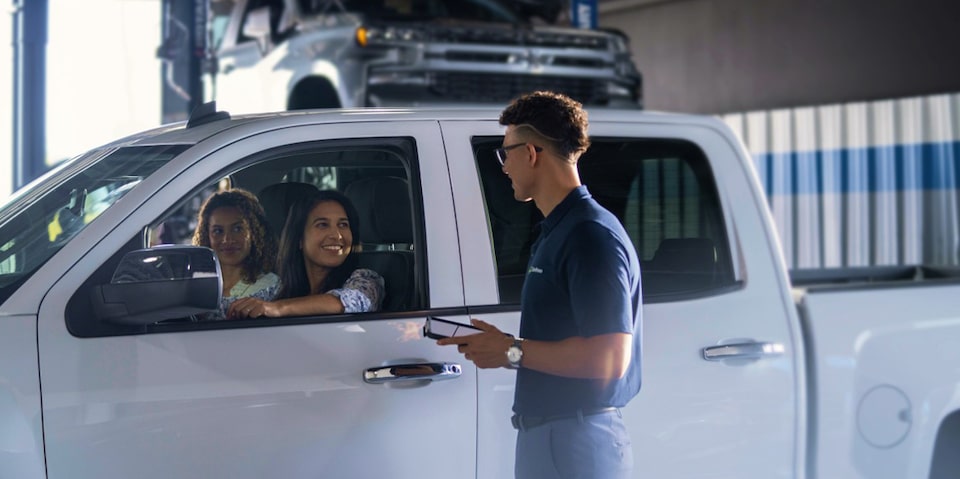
x=437, y=328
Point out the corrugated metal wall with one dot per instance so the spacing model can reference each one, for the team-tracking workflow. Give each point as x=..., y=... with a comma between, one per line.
x=861, y=184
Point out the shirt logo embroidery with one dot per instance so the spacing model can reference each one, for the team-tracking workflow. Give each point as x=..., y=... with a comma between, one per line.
x=534, y=269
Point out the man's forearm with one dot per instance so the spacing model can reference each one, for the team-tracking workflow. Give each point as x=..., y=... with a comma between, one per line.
x=606, y=356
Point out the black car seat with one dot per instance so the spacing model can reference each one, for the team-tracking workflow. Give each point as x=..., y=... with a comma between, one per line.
x=386, y=234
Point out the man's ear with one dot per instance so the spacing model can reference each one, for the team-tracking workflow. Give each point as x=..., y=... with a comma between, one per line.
x=532, y=157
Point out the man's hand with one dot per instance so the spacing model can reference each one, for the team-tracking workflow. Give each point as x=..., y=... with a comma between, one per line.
x=487, y=349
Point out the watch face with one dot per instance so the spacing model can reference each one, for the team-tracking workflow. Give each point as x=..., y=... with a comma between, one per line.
x=513, y=354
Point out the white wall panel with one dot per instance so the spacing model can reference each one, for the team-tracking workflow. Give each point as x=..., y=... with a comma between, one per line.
x=830, y=129
x=861, y=184
x=883, y=183
x=910, y=140
x=807, y=192
x=781, y=178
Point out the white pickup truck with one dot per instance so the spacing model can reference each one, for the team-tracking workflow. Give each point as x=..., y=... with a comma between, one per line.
x=108, y=374
x=304, y=54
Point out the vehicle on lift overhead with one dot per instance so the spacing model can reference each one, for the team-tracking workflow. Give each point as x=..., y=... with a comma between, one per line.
x=296, y=54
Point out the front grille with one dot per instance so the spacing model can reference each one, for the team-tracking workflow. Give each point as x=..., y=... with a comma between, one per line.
x=476, y=57
x=579, y=62
x=520, y=37
x=506, y=58
x=485, y=88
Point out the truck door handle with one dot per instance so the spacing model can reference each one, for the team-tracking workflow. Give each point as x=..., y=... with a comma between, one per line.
x=749, y=350
x=412, y=372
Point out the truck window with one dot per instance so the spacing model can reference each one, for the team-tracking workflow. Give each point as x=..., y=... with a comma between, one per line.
x=390, y=234
x=40, y=221
x=277, y=19
x=661, y=190
x=418, y=10
x=220, y=12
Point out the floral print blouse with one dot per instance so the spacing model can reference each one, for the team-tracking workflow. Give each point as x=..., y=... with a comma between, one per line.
x=265, y=288
x=363, y=292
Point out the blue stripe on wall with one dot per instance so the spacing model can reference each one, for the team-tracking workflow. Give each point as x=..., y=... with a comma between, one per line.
x=781, y=173
x=856, y=170
x=927, y=166
x=806, y=173
x=909, y=167
x=832, y=162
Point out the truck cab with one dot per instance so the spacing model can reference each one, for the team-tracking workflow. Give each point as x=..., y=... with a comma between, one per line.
x=105, y=372
x=299, y=54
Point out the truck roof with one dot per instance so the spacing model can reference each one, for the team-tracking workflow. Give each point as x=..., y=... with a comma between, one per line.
x=179, y=133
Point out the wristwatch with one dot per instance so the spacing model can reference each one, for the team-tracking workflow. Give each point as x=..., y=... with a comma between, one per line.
x=515, y=353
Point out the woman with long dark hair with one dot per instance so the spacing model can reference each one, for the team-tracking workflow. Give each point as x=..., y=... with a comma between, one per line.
x=318, y=264
x=233, y=224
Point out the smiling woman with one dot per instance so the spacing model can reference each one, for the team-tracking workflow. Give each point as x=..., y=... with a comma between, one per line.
x=318, y=263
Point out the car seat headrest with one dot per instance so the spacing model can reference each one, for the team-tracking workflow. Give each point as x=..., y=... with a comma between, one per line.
x=277, y=199
x=383, y=204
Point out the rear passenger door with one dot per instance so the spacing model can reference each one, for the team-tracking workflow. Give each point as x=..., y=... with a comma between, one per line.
x=281, y=397
x=692, y=417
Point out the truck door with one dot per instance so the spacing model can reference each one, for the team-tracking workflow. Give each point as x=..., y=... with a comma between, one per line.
x=323, y=396
x=720, y=356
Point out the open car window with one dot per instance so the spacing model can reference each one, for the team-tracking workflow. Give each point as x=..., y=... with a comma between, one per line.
x=379, y=177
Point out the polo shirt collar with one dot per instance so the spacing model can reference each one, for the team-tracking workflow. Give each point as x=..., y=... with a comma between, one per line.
x=579, y=193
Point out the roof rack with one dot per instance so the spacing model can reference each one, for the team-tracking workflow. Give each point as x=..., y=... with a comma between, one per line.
x=206, y=113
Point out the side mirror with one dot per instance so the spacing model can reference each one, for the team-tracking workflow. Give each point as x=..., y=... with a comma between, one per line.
x=257, y=26
x=155, y=284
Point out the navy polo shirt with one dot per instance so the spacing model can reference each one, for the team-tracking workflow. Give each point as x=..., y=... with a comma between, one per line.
x=583, y=279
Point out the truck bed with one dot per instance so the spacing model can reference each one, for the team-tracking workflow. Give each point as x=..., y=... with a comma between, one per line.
x=883, y=367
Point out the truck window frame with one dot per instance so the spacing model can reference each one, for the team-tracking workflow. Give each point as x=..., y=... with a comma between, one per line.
x=513, y=226
x=81, y=321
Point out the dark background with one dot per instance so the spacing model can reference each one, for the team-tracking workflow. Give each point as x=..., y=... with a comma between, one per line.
x=723, y=56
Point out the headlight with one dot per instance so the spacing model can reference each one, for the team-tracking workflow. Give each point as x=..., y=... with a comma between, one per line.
x=620, y=44
x=373, y=35
x=617, y=90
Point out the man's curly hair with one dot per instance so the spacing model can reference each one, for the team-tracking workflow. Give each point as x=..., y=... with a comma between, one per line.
x=263, y=244
x=554, y=117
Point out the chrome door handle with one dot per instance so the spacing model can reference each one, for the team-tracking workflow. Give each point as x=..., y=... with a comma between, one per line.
x=412, y=372
x=751, y=350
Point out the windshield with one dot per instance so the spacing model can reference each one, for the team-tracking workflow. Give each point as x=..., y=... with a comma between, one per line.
x=418, y=10
x=220, y=11
x=37, y=224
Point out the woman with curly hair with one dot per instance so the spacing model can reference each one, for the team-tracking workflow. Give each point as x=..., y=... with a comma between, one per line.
x=233, y=224
x=318, y=264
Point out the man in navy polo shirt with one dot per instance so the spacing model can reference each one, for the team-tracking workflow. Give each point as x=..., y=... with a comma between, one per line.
x=578, y=354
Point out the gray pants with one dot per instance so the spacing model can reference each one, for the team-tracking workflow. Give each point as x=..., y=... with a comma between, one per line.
x=594, y=447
